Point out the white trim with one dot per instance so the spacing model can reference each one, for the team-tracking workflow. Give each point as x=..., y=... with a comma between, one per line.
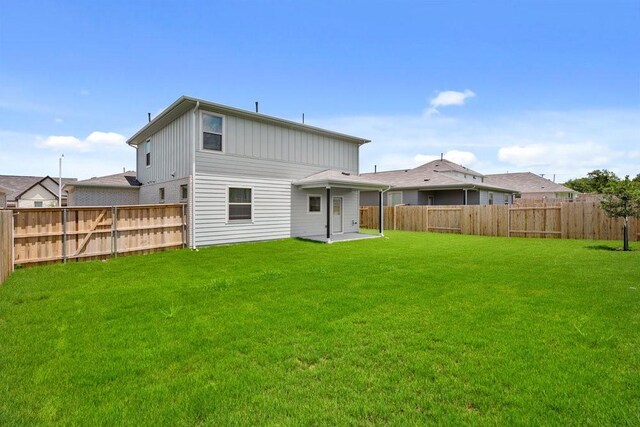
x=226, y=204
x=309, y=196
x=147, y=144
x=390, y=193
x=180, y=188
x=223, y=136
x=341, y=214
x=192, y=181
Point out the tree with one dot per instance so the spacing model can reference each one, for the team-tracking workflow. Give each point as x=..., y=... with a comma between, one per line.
x=595, y=182
x=622, y=200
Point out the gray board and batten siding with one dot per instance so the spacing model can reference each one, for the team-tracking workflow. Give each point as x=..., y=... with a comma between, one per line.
x=266, y=146
x=259, y=152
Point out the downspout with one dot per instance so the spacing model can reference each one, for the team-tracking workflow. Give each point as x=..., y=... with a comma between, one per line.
x=382, y=211
x=192, y=218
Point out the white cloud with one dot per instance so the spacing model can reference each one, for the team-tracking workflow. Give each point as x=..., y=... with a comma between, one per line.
x=447, y=98
x=589, y=139
x=95, y=141
x=106, y=138
x=102, y=159
x=466, y=158
x=587, y=155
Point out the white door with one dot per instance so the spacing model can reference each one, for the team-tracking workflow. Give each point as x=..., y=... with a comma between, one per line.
x=336, y=220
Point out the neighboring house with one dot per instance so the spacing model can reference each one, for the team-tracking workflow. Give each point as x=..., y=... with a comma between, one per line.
x=248, y=176
x=532, y=186
x=3, y=197
x=32, y=191
x=111, y=190
x=439, y=182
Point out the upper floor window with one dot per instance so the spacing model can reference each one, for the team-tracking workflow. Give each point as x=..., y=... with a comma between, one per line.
x=212, y=132
x=147, y=152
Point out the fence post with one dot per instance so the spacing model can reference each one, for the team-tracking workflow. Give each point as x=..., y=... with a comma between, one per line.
x=184, y=234
x=64, y=235
x=395, y=215
x=115, y=231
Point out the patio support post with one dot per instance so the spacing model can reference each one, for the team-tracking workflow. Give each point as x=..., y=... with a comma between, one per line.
x=465, y=197
x=328, y=213
x=380, y=213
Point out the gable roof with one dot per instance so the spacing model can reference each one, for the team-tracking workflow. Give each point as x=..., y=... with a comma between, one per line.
x=16, y=185
x=119, y=180
x=527, y=182
x=38, y=183
x=444, y=165
x=187, y=103
x=434, y=176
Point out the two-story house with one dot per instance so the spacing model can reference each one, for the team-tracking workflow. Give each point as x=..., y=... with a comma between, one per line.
x=247, y=176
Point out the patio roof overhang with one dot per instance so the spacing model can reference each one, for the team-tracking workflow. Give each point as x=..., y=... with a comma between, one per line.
x=339, y=179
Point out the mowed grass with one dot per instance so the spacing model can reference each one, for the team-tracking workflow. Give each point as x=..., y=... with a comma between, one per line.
x=416, y=328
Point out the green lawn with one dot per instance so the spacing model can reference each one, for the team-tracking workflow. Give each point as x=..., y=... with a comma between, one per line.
x=415, y=328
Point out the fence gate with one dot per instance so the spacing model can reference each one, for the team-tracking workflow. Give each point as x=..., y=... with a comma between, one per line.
x=45, y=235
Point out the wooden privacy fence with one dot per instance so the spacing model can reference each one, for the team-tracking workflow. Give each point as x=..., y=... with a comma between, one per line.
x=45, y=235
x=567, y=220
x=6, y=244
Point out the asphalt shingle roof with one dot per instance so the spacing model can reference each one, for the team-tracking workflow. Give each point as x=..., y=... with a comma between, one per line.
x=433, y=175
x=527, y=182
x=124, y=179
x=340, y=177
x=17, y=184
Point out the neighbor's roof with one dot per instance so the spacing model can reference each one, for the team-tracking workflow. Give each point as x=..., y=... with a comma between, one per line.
x=16, y=185
x=527, y=182
x=444, y=165
x=336, y=178
x=187, y=103
x=433, y=176
x=118, y=180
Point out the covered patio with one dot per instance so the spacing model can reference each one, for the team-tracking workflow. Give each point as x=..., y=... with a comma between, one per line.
x=339, y=192
x=344, y=237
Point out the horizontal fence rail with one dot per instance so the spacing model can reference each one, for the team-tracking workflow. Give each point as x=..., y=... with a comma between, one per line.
x=46, y=235
x=568, y=220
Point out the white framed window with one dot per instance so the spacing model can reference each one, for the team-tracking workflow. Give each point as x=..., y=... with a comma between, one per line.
x=314, y=203
x=239, y=204
x=37, y=204
x=147, y=152
x=184, y=192
x=394, y=198
x=212, y=132
x=161, y=194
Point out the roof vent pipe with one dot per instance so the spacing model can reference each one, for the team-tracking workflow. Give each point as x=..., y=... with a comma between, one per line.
x=256, y=106
x=149, y=117
x=441, y=156
x=302, y=118
x=375, y=168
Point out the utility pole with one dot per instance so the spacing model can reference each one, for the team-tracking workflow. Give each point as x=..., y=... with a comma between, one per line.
x=60, y=181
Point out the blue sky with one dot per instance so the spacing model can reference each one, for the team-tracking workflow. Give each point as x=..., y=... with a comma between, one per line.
x=551, y=87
